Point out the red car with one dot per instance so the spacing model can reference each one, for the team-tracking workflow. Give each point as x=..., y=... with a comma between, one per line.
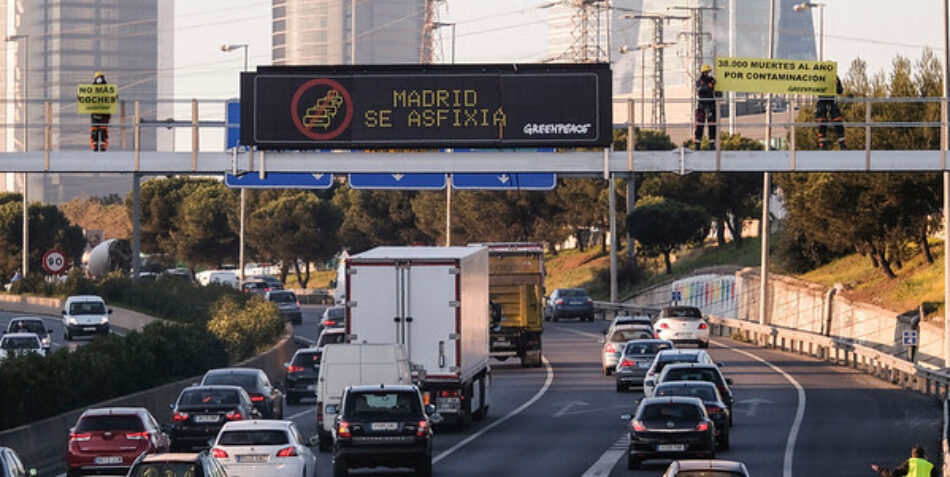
x=109, y=440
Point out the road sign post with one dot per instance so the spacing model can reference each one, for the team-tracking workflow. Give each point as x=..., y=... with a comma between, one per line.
x=54, y=262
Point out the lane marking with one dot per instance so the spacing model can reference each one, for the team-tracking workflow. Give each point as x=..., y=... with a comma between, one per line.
x=579, y=332
x=293, y=417
x=544, y=388
x=608, y=460
x=799, y=413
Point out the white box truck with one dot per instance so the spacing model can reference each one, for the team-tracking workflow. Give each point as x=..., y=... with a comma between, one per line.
x=345, y=365
x=434, y=302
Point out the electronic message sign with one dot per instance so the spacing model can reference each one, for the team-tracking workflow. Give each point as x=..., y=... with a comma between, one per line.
x=486, y=106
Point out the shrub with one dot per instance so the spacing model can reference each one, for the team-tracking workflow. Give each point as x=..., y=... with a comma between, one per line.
x=246, y=330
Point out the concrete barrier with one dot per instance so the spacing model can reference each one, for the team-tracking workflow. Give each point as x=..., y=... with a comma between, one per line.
x=42, y=444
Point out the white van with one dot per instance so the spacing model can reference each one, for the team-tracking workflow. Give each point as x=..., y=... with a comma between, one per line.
x=85, y=315
x=224, y=277
x=353, y=364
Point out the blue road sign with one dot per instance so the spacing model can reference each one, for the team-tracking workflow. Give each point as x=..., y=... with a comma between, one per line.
x=504, y=181
x=910, y=338
x=398, y=181
x=677, y=296
x=232, y=137
x=279, y=180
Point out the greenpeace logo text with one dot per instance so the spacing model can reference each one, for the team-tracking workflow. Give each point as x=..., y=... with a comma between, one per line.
x=557, y=128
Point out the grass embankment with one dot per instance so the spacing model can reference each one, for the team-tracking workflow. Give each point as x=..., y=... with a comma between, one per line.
x=318, y=279
x=917, y=282
x=591, y=269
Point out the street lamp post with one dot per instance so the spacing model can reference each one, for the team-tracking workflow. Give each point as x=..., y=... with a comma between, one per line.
x=26, y=147
x=448, y=177
x=243, y=214
x=801, y=7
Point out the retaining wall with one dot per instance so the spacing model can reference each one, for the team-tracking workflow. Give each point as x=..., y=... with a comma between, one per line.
x=36, y=305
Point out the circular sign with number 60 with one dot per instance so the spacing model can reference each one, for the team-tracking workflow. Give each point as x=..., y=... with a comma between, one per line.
x=54, y=262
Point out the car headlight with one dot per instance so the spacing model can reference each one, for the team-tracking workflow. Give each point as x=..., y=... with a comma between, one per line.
x=72, y=321
x=105, y=320
x=46, y=341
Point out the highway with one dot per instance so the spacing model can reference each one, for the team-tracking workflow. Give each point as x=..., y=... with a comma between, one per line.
x=54, y=323
x=565, y=419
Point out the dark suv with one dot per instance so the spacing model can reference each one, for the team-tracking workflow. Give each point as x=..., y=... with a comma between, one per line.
x=383, y=425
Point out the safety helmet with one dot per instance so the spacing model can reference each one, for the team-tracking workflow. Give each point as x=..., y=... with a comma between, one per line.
x=706, y=69
x=98, y=75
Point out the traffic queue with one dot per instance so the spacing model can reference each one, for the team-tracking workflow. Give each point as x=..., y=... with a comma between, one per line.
x=685, y=414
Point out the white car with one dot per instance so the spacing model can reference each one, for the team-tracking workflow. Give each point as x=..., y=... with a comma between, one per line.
x=85, y=314
x=19, y=344
x=671, y=356
x=682, y=324
x=330, y=336
x=263, y=448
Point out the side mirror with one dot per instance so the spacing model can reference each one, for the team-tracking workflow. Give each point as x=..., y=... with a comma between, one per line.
x=437, y=418
x=287, y=364
x=729, y=381
x=171, y=406
x=603, y=331
x=430, y=409
x=720, y=364
x=110, y=311
x=313, y=441
x=626, y=416
x=255, y=414
x=63, y=312
x=50, y=331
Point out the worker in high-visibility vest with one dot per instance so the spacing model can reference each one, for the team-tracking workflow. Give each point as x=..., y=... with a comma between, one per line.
x=916, y=466
x=99, y=129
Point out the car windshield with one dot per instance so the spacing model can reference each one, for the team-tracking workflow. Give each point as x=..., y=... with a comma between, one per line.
x=645, y=348
x=27, y=326
x=245, y=381
x=673, y=411
x=274, y=437
x=573, y=292
x=683, y=358
x=335, y=313
x=383, y=405
x=687, y=312
x=708, y=473
x=331, y=338
x=692, y=374
x=702, y=392
x=110, y=423
x=622, y=336
x=287, y=297
x=165, y=469
x=307, y=359
x=192, y=397
x=87, y=308
x=25, y=342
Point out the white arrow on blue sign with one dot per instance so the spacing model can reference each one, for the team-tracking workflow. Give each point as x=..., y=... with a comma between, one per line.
x=422, y=181
x=910, y=338
x=279, y=180
x=505, y=181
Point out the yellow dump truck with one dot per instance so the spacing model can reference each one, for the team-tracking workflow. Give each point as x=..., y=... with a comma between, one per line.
x=516, y=289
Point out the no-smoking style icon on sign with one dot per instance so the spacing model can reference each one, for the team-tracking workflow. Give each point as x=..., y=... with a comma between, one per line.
x=54, y=262
x=322, y=109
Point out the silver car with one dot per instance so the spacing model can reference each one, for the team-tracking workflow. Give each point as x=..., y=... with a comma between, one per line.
x=614, y=339
x=636, y=359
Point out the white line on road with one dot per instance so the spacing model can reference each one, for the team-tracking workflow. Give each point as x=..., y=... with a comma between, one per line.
x=544, y=388
x=608, y=459
x=301, y=413
x=799, y=414
x=582, y=333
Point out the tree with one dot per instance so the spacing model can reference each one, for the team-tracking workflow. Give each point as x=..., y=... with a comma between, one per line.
x=49, y=228
x=663, y=225
x=297, y=227
x=205, y=232
x=91, y=213
x=374, y=218
x=162, y=200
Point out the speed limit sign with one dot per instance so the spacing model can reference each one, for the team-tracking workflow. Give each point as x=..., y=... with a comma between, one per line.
x=54, y=262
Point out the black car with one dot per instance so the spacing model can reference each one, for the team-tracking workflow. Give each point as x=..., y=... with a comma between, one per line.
x=259, y=287
x=191, y=465
x=31, y=325
x=201, y=411
x=301, y=374
x=332, y=318
x=274, y=282
x=383, y=426
x=699, y=372
x=267, y=399
x=287, y=303
x=569, y=303
x=716, y=407
x=670, y=428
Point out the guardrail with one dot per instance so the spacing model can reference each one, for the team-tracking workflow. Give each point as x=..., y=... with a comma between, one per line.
x=602, y=308
x=840, y=351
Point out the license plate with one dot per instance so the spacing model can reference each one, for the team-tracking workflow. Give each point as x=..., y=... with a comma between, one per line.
x=252, y=459
x=576, y=303
x=680, y=335
x=89, y=328
x=108, y=460
x=643, y=364
x=384, y=426
x=211, y=418
x=447, y=404
x=671, y=447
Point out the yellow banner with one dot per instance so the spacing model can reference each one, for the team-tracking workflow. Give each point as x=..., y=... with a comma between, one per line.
x=778, y=76
x=97, y=98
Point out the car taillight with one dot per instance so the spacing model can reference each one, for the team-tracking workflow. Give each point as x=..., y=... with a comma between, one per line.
x=638, y=426
x=319, y=414
x=589, y=300
x=219, y=453
x=702, y=426
x=137, y=436
x=343, y=430
x=703, y=326
x=257, y=398
x=423, y=429
x=298, y=303
x=290, y=369
x=287, y=452
x=713, y=409
x=559, y=301
x=626, y=363
x=446, y=393
x=664, y=326
x=233, y=416
x=327, y=322
x=180, y=417
x=79, y=437
x=610, y=348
